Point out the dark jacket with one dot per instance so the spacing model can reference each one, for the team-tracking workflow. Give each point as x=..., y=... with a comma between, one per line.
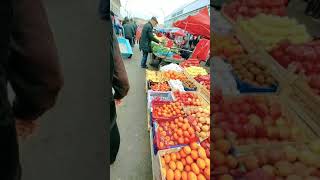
x=146, y=38
x=33, y=68
x=119, y=78
x=128, y=30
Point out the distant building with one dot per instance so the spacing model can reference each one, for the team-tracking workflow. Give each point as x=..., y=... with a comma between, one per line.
x=185, y=11
x=115, y=7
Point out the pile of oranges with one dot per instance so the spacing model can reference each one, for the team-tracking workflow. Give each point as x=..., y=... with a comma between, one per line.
x=161, y=86
x=178, y=131
x=168, y=110
x=174, y=75
x=189, y=163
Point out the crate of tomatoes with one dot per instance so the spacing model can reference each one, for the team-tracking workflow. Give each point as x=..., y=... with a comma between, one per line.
x=159, y=86
x=188, y=98
x=189, y=162
x=166, y=110
x=174, y=133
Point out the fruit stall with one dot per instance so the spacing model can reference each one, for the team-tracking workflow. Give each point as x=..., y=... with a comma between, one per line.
x=265, y=105
x=178, y=120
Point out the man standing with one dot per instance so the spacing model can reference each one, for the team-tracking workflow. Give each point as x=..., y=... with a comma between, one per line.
x=145, y=40
x=29, y=62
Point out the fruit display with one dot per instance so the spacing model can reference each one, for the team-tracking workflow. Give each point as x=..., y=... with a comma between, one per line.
x=154, y=76
x=304, y=58
x=251, y=72
x=226, y=46
x=283, y=163
x=255, y=120
x=268, y=30
x=206, y=145
x=174, y=75
x=225, y=163
x=187, y=98
x=200, y=120
x=189, y=84
x=175, y=132
x=190, y=62
x=251, y=8
x=204, y=80
x=168, y=110
x=187, y=163
x=196, y=71
x=160, y=86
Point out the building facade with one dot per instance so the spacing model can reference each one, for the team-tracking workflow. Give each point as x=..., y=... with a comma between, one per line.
x=185, y=11
x=115, y=7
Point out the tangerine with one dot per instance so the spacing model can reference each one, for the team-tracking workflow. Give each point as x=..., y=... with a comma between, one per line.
x=194, y=154
x=183, y=161
x=179, y=165
x=189, y=160
x=201, y=177
x=184, y=175
x=170, y=174
x=183, y=154
x=201, y=163
x=173, y=156
x=172, y=165
x=191, y=176
x=202, y=153
x=187, y=150
x=194, y=146
x=177, y=175
x=187, y=168
x=195, y=168
x=167, y=158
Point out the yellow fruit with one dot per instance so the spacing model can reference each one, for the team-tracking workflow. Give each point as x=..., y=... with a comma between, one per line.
x=194, y=154
x=192, y=176
x=194, y=146
x=195, y=168
x=167, y=158
x=173, y=157
x=170, y=174
x=184, y=175
x=201, y=177
x=187, y=150
x=179, y=165
x=202, y=153
x=177, y=175
x=189, y=160
x=172, y=165
x=207, y=160
x=201, y=163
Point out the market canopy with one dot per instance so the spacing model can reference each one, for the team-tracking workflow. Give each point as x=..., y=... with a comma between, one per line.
x=198, y=24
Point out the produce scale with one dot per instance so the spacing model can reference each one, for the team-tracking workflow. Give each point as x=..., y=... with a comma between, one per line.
x=266, y=84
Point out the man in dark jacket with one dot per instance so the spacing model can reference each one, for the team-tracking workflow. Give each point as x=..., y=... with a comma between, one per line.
x=32, y=69
x=145, y=40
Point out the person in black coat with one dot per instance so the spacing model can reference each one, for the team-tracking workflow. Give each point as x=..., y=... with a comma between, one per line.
x=145, y=40
x=29, y=62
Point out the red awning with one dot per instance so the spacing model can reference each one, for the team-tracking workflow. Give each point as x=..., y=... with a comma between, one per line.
x=198, y=24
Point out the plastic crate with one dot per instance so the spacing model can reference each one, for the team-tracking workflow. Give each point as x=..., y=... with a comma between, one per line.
x=244, y=87
x=124, y=41
x=161, y=96
x=151, y=83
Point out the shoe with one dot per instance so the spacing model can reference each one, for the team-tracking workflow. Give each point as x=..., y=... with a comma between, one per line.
x=144, y=67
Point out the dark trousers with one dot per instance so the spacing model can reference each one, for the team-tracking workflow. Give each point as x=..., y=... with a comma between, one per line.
x=313, y=8
x=144, y=58
x=9, y=153
x=114, y=143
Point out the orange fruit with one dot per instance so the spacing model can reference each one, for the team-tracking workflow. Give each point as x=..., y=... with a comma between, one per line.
x=171, y=143
x=201, y=177
x=181, y=140
x=194, y=154
x=183, y=154
x=201, y=163
x=172, y=165
x=173, y=156
x=179, y=165
x=194, y=146
x=163, y=133
x=189, y=160
x=184, y=175
x=202, y=153
x=191, y=176
x=187, y=168
x=180, y=132
x=184, y=127
x=172, y=126
x=186, y=140
x=207, y=172
x=170, y=174
x=175, y=136
x=161, y=145
x=186, y=134
x=184, y=162
x=177, y=175
x=187, y=149
x=167, y=158
x=195, y=168
x=178, y=156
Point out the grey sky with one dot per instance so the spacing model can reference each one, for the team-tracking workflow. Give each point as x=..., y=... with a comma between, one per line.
x=148, y=8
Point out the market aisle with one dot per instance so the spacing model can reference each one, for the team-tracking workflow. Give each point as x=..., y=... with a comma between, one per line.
x=134, y=160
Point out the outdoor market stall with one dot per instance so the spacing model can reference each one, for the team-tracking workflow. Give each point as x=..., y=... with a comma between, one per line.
x=266, y=94
x=179, y=121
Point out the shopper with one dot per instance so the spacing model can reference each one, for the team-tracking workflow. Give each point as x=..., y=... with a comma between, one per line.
x=120, y=85
x=33, y=71
x=129, y=33
x=145, y=40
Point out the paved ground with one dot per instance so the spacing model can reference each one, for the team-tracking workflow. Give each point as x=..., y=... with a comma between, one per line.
x=133, y=162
